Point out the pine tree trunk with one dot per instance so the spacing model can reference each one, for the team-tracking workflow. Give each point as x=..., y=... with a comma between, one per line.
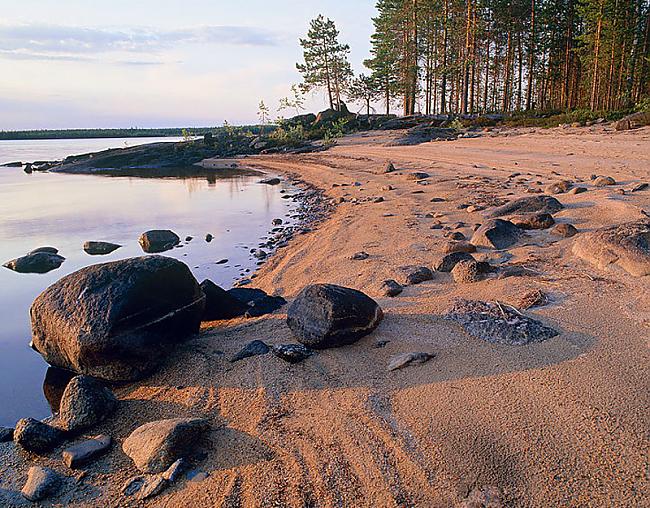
x=593, y=103
x=531, y=61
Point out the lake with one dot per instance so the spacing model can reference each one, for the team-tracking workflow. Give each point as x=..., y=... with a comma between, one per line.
x=64, y=211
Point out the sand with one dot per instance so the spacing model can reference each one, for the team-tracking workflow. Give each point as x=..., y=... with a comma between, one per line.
x=559, y=423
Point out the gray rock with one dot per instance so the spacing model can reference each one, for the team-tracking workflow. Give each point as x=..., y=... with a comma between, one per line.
x=144, y=487
x=565, y=230
x=408, y=275
x=85, y=403
x=6, y=434
x=254, y=348
x=625, y=246
x=37, y=437
x=604, y=181
x=467, y=271
x=47, y=250
x=117, y=320
x=448, y=261
x=533, y=221
x=498, y=323
x=578, y=190
x=496, y=234
x=559, y=187
x=405, y=359
x=155, y=446
x=389, y=167
x=292, y=353
x=390, y=288
x=82, y=453
x=158, y=240
x=174, y=471
x=37, y=262
x=326, y=315
x=639, y=187
x=100, y=248
x=271, y=181
x=531, y=204
x=42, y=482
x=360, y=256
x=417, y=175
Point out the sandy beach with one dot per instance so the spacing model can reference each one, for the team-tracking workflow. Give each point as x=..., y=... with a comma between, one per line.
x=562, y=422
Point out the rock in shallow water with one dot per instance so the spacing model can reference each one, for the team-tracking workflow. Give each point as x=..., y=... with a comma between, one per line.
x=37, y=437
x=84, y=404
x=100, y=248
x=498, y=323
x=117, y=320
x=326, y=315
x=158, y=240
x=35, y=262
x=155, y=446
x=42, y=482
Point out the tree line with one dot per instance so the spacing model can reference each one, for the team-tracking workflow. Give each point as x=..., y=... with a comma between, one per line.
x=477, y=56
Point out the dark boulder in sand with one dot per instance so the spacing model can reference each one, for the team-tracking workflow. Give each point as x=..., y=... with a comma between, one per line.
x=37, y=437
x=498, y=323
x=531, y=204
x=158, y=240
x=626, y=246
x=326, y=315
x=85, y=403
x=411, y=274
x=100, y=248
x=155, y=446
x=390, y=288
x=220, y=304
x=449, y=261
x=496, y=234
x=534, y=221
x=265, y=305
x=118, y=320
x=35, y=262
x=292, y=353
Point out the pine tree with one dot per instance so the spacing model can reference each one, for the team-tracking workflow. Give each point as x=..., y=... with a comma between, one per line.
x=326, y=62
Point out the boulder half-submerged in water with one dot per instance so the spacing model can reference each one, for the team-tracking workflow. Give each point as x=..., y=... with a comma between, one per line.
x=117, y=320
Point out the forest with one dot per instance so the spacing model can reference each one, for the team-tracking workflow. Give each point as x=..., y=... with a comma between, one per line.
x=478, y=56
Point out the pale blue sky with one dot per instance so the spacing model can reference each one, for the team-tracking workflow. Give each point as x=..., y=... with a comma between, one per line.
x=146, y=63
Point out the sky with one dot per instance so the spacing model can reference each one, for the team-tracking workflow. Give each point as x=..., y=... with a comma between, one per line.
x=163, y=63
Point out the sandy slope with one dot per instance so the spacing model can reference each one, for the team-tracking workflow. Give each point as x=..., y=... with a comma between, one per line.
x=561, y=423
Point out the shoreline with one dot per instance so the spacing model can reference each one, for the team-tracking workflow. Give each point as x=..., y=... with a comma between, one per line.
x=553, y=423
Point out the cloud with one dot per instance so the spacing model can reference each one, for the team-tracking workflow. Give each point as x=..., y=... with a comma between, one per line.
x=70, y=43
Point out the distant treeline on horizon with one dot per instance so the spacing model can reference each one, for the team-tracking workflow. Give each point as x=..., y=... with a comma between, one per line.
x=105, y=133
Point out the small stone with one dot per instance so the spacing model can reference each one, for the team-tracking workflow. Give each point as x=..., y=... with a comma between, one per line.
x=100, y=248
x=378, y=199
x=42, y=482
x=534, y=221
x=254, y=348
x=158, y=240
x=559, y=187
x=37, y=437
x=277, y=222
x=533, y=298
x=389, y=167
x=292, y=353
x=603, y=181
x=188, y=238
x=417, y=175
x=447, y=263
x=639, y=187
x=405, y=359
x=408, y=275
x=565, y=230
x=265, y=305
x=578, y=190
x=360, y=256
x=85, y=451
x=209, y=238
x=175, y=470
x=390, y=288
x=455, y=235
x=454, y=246
x=437, y=200
x=475, y=208
x=496, y=234
x=467, y=272
x=271, y=181
x=85, y=403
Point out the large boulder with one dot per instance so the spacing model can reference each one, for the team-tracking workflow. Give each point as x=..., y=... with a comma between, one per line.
x=155, y=446
x=220, y=304
x=496, y=234
x=35, y=262
x=84, y=404
x=325, y=315
x=158, y=240
x=117, y=320
x=626, y=246
x=530, y=204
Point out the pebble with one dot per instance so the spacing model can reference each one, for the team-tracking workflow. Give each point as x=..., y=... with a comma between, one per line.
x=85, y=451
x=405, y=359
x=42, y=482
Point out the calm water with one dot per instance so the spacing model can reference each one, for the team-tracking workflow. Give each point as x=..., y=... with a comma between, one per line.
x=63, y=211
